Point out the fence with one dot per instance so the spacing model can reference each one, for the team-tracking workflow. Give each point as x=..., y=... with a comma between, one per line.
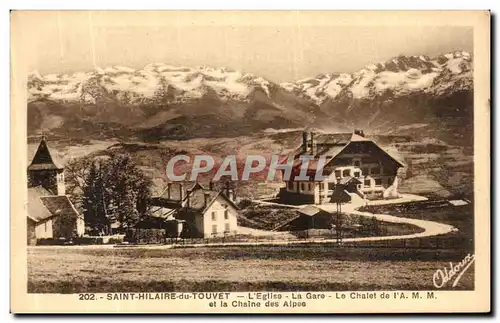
x=437, y=242
x=449, y=241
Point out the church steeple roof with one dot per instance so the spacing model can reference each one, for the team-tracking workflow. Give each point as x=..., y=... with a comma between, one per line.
x=43, y=159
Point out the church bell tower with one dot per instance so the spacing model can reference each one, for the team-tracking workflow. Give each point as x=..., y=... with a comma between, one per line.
x=44, y=172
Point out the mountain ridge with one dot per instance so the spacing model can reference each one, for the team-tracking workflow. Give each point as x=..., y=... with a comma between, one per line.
x=409, y=73
x=176, y=102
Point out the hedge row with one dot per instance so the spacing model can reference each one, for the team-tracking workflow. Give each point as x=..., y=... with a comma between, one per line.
x=149, y=236
x=76, y=240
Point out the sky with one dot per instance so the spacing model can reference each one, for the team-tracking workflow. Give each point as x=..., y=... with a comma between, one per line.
x=281, y=50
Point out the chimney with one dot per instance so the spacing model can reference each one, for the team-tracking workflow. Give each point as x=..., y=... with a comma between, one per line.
x=304, y=141
x=169, y=191
x=207, y=197
x=359, y=132
x=231, y=194
x=313, y=144
x=188, y=198
x=181, y=192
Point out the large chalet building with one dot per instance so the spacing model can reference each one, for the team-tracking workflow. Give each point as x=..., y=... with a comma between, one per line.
x=354, y=165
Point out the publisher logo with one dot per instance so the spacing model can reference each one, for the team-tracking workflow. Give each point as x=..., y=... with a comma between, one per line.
x=442, y=276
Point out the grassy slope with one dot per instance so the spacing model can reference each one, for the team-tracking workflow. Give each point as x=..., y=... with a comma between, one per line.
x=310, y=267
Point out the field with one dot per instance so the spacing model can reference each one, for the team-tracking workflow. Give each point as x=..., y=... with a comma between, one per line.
x=252, y=268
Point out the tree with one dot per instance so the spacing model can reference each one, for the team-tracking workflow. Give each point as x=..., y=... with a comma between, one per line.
x=111, y=190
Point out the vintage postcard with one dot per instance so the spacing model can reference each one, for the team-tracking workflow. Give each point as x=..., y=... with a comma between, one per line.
x=250, y=162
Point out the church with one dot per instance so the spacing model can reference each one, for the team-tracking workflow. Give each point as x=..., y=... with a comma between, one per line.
x=50, y=212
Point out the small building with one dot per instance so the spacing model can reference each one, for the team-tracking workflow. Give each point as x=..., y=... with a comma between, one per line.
x=351, y=160
x=305, y=218
x=205, y=213
x=50, y=212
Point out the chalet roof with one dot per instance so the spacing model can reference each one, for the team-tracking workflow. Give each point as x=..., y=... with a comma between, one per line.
x=333, y=138
x=42, y=205
x=43, y=159
x=331, y=145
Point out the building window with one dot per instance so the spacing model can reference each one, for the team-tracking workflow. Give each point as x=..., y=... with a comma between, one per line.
x=290, y=185
x=375, y=170
x=227, y=227
x=321, y=186
x=357, y=163
x=226, y=215
x=45, y=225
x=214, y=216
x=214, y=228
x=302, y=187
x=346, y=173
x=368, y=182
x=378, y=182
x=331, y=186
x=337, y=173
x=357, y=174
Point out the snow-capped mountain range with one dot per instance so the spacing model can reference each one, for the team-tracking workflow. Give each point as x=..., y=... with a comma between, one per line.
x=152, y=81
x=163, y=101
x=402, y=75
